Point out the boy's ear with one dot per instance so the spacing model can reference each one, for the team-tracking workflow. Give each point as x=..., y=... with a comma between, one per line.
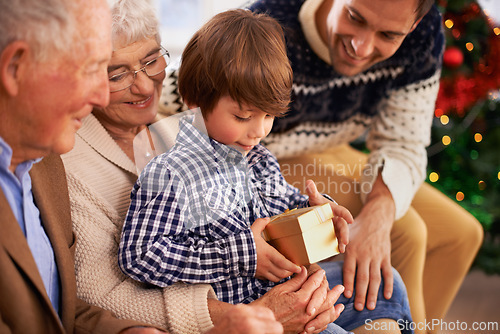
x=13, y=61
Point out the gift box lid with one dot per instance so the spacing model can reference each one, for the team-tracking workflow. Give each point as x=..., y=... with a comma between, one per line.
x=297, y=221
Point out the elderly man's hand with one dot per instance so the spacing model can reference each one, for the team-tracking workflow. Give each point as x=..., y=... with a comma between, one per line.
x=291, y=302
x=248, y=319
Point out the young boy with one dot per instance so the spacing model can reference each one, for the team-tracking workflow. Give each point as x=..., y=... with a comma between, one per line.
x=192, y=207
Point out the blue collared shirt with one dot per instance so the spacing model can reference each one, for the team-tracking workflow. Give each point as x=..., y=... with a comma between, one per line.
x=191, y=211
x=17, y=189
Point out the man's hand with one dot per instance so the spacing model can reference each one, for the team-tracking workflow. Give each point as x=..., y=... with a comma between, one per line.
x=247, y=319
x=271, y=264
x=369, y=251
x=341, y=216
x=290, y=301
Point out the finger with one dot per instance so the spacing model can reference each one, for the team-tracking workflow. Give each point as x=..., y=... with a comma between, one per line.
x=341, y=211
x=323, y=319
x=295, y=284
x=312, y=283
x=362, y=281
x=373, y=287
x=312, y=192
x=331, y=298
x=260, y=224
x=341, y=232
x=318, y=298
x=271, y=277
x=282, y=266
x=388, y=280
x=349, y=273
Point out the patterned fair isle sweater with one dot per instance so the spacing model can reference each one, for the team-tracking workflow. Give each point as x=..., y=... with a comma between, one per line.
x=392, y=103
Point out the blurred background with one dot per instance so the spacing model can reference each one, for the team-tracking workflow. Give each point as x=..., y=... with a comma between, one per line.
x=464, y=157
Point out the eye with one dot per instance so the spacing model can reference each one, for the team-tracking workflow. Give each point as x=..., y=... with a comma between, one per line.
x=241, y=119
x=389, y=36
x=353, y=17
x=118, y=77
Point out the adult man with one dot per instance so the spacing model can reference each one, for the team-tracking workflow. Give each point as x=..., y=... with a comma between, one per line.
x=374, y=65
x=52, y=72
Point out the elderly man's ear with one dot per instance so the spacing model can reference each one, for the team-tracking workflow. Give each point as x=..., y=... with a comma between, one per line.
x=13, y=63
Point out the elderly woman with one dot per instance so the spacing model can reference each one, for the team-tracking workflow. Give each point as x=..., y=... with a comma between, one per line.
x=101, y=170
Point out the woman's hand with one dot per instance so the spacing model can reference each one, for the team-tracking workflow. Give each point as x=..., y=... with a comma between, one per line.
x=341, y=216
x=271, y=264
x=290, y=302
x=247, y=319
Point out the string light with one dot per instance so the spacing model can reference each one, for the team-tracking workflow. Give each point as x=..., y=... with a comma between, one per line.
x=496, y=30
x=446, y=140
x=448, y=23
x=444, y=119
x=498, y=175
x=433, y=177
x=474, y=154
x=460, y=196
x=478, y=137
x=481, y=185
x=469, y=46
x=438, y=112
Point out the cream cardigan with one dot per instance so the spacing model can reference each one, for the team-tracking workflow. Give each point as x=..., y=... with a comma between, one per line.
x=100, y=177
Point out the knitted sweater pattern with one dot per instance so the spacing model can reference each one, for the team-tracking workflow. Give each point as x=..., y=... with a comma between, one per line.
x=390, y=105
x=100, y=177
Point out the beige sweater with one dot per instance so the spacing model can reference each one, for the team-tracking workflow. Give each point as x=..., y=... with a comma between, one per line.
x=100, y=177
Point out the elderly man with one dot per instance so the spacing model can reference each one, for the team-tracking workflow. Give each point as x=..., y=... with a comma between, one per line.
x=53, y=62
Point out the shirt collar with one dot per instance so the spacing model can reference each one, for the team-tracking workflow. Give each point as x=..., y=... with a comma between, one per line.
x=6, y=159
x=307, y=18
x=193, y=133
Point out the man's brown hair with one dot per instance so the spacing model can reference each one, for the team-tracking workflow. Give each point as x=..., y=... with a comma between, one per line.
x=423, y=6
x=241, y=54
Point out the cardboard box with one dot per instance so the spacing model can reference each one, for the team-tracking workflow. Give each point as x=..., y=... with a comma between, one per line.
x=303, y=236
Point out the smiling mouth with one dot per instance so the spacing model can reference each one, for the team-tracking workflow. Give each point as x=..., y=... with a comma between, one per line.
x=140, y=102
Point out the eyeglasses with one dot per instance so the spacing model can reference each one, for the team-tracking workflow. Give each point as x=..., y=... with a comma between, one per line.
x=152, y=68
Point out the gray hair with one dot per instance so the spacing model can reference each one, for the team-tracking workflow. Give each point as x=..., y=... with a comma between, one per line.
x=133, y=20
x=46, y=25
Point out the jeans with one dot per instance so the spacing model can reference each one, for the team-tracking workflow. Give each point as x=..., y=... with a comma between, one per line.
x=396, y=308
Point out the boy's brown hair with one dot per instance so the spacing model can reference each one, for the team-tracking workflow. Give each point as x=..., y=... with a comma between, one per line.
x=240, y=54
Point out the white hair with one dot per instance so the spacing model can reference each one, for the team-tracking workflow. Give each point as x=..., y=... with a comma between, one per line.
x=46, y=25
x=133, y=20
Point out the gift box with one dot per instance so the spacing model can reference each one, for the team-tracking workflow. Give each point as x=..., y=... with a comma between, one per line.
x=303, y=236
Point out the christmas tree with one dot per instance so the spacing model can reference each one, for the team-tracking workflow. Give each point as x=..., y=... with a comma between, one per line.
x=464, y=159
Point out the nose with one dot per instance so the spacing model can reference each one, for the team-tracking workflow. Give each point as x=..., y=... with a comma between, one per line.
x=258, y=129
x=363, y=44
x=100, y=93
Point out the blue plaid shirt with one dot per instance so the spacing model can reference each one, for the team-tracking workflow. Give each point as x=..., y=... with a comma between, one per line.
x=191, y=211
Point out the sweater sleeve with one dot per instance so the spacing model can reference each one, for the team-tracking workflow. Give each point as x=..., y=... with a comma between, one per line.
x=100, y=282
x=397, y=140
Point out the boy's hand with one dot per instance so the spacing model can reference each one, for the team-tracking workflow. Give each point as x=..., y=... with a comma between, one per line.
x=271, y=264
x=341, y=216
